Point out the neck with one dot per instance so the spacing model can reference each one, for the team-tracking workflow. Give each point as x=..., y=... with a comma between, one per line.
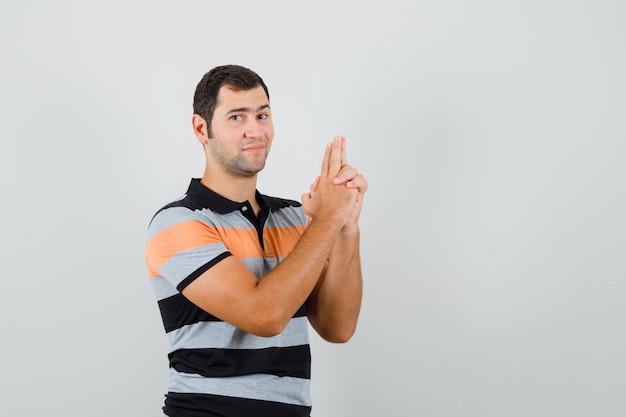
x=234, y=188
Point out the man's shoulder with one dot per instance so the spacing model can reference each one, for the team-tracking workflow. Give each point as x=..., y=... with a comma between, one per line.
x=183, y=202
x=278, y=203
x=285, y=213
x=182, y=209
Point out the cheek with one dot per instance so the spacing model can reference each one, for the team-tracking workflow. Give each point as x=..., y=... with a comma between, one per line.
x=270, y=139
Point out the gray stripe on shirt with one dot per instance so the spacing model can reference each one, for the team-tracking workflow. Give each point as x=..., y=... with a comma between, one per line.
x=289, y=390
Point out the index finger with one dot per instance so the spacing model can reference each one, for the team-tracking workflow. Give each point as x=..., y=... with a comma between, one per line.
x=344, y=158
x=325, y=161
x=335, y=156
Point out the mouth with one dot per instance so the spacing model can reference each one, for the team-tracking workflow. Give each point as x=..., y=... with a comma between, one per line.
x=256, y=147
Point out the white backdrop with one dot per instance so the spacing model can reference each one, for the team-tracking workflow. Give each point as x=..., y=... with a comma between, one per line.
x=493, y=136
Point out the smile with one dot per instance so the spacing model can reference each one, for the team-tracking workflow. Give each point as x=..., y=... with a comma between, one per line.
x=254, y=148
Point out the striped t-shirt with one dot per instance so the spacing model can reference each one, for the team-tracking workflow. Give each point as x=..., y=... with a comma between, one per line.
x=217, y=369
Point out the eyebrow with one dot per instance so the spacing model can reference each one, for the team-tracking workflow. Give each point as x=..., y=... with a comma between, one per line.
x=248, y=109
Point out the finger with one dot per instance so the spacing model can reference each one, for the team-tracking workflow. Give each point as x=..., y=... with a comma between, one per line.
x=315, y=184
x=334, y=165
x=326, y=161
x=358, y=182
x=344, y=158
x=347, y=173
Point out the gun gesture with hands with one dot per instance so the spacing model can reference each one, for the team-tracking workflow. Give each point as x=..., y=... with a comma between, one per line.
x=337, y=193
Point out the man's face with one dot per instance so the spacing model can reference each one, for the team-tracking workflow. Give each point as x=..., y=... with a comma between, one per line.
x=242, y=131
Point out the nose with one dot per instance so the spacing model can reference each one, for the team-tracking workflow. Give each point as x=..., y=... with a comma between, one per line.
x=253, y=128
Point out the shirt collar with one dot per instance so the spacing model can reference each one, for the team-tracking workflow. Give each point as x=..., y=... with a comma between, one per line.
x=214, y=201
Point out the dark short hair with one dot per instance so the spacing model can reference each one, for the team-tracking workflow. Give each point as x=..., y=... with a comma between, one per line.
x=234, y=76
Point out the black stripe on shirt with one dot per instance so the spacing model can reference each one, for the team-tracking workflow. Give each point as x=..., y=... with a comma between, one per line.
x=177, y=311
x=293, y=361
x=206, y=405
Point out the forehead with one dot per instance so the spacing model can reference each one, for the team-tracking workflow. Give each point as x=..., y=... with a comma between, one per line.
x=228, y=99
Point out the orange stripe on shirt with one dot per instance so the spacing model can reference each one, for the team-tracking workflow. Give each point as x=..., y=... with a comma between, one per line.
x=241, y=242
x=176, y=238
x=279, y=242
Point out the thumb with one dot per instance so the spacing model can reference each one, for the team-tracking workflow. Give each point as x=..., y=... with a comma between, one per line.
x=315, y=184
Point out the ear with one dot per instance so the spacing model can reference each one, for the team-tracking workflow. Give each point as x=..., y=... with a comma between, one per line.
x=200, y=128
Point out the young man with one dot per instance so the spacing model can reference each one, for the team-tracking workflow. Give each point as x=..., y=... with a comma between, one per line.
x=237, y=274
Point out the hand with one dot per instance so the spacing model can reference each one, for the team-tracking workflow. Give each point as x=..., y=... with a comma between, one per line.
x=349, y=176
x=327, y=199
x=352, y=179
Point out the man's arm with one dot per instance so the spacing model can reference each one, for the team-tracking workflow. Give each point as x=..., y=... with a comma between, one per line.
x=231, y=292
x=334, y=305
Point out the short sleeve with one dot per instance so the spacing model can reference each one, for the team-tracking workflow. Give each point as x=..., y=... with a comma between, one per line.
x=181, y=246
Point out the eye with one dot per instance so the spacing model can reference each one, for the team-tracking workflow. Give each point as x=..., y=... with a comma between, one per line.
x=236, y=117
x=263, y=116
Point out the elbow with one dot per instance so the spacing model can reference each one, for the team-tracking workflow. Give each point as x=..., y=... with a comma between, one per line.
x=268, y=330
x=339, y=336
x=338, y=340
x=333, y=331
x=269, y=323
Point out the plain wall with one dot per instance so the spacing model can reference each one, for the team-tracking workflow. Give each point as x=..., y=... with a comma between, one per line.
x=493, y=233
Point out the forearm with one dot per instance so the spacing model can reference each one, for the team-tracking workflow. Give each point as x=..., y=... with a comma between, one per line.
x=286, y=288
x=335, y=303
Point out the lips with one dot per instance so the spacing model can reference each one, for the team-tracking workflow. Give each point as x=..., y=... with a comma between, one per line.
x=255, y=147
